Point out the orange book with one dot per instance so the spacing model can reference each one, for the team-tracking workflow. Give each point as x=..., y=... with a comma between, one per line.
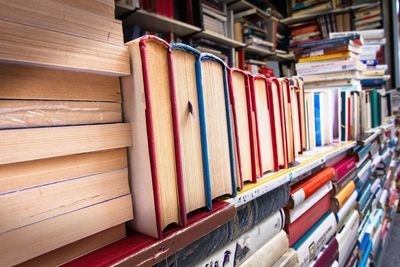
x=343, y=196
x=326, y=57
x=303, y=190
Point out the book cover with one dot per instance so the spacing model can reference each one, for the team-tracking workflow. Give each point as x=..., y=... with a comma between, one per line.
x=317, y=116
x=296, y=229
x=298, y=83
x=339, y=55
x=347, y=237
x=344, y=167
x=341, y=197
x=328, y=255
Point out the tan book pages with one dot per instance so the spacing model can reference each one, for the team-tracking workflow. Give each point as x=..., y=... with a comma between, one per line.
x=278, y=121
x=22, y=175
x=242, y=116
x=25, y=207
x=78, y=248
x=217, y=129
x=189, y=124
x=39, y=143
x=28, y=114
x=288, y=118
x=25, y=83
x=107, y=10
x=264, y=125
x=36, y=239
x=296, y=121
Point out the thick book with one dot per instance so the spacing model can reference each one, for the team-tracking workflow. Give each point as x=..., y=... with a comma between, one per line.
x=351, y=39
x=327, y=50
x=270, y=252
x=275, y=95
x=288, y=122
x=349, y=205
x=310, y=244
x=155, y=159
x=344, y=167
x=328, y=255
x=339, y=55
x=293, y=214
x=194, y=181
x=240, y=99
x=300, y=226
x=303, y=190
x=347, y=236
x=266, y=145
x=217, y=134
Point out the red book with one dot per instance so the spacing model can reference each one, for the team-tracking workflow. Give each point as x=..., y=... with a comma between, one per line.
x=344, y=167
x=303, y=30
x=328, y=255
x=299, y=227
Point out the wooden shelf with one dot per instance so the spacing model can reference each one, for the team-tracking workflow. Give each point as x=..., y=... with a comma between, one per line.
x=218, y=38
x=306, y=162
x=292, y=20
x=259, y=51
x=154, y=22
x=243, y=5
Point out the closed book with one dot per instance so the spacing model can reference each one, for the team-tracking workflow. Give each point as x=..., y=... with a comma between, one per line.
x=313, y=241
x=195, y=181
x=240, y=99
x=293, y=214
x=287, y=118
x=298, y=83
x=326, y=51
x=275, y=94
x=351, y=39
x=328, y=255
x=349, y=205
x=270, y=252
x=309, y=119
x=155, y=161
x=344, y=167
x=347, y=237
x=296, y=119
x=288, y=259
x=300, y=226
x=318, y=121
x=265, y=144
x=339, y=55
x=303, y=190
x=339, y=185
x=306, y=29
x=260, y=234
x=313, y=9
x=374, y=98
x=342, y=196
x=217, y=134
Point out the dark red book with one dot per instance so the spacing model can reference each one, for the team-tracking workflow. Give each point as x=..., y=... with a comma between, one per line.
x=299, y=227
x=304, y=30
x=344, y=167
x=328, y=255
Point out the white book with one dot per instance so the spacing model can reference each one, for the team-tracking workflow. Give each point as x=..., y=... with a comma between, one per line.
x=367, y=34
x=309, y=248
x=347, y=205
x=383, y=199
x=347, y=237
x=364, y=169
x=295, y=213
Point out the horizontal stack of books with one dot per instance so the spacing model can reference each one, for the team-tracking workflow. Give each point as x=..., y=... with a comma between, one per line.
x=368, y=18
x=64, y=188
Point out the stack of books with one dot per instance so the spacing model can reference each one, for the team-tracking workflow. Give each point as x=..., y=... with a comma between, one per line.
x=64, y=188
x=214, y=17
x=368, y=18
x=301, y=8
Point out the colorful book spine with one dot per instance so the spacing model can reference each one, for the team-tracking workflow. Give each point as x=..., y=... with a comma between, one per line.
x=341, y=214
x=344, y=167
x=341, y=198
x=317, y=116
x=339, y=55
x=328, y=255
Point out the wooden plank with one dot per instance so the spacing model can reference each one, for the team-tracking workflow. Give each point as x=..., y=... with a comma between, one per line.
x=33, y=173
x=63, y=18
x=24, y=207
x=36, y=239
x=39, y=143
x=97, y=7
x=28, y=113
x=79, y=248
x=21, y=82
x=30, y=45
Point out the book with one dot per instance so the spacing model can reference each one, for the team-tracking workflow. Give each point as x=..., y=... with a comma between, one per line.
x=217, y=132
x=240, y=99
x=194, y=180
x=299, y=90
x=42, y=237
x=344, y=167
x=275, y=95
x=78, y=248
x=156, y=135
x=266, y=160
x=326, y=50
x=328, y=254
x=325, y=6
x=306, y=188
x=297, y=101
x=299, y=227
x=342, y=196
x=270, y=252
x=295, y=213
x=347, y=207
x=290, y=258
x=347, y=237
x=340, y=55
x=310, y=244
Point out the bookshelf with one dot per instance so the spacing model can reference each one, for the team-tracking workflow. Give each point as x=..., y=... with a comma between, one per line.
x=218, y=38
x=292, y=20
x=159, y=23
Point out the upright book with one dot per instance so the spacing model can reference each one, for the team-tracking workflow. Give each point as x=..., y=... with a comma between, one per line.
x=245, y=141
x=155, y=160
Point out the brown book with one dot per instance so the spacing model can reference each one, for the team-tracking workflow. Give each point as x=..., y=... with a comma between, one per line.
x=78, y=248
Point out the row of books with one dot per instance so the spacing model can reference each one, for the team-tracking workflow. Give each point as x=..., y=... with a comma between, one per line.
x=64, y=188
x=219, y=128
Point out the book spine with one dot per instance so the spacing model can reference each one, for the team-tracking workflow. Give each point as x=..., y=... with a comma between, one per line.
x=347, y=206
x=317, y=116
x=347, y=237
x=344, y=167
x=272, y=122
x=328, y=256
x=343, y=196
x=297, y=228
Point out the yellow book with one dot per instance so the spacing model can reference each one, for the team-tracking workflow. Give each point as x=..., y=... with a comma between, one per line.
x=373, y=73
x=326, y=57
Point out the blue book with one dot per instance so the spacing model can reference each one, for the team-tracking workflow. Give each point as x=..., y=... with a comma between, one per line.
x=370, y=62
x=374, y=82
x=317, y=118
x=335, y=41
